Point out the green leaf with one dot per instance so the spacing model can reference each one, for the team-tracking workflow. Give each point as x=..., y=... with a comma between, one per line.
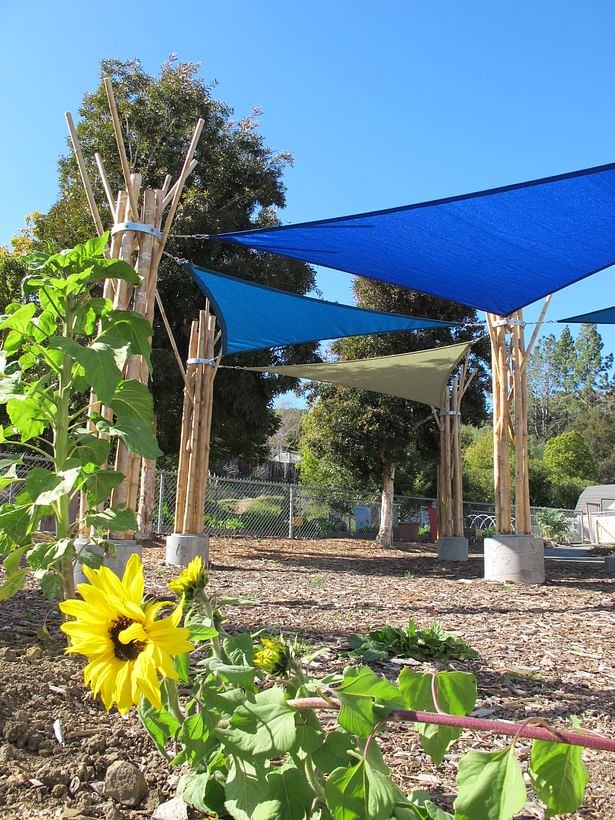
x=92, y=449
x=309, y=731
x=235, y=674
x=261, y=729
x=239, y=648
x=20, y=320
x=13, y=584
x=132, y=400
x=102, y=362
x=10, y=386
x=182, y=666
x=345, y=793
x=51, y=585
x=246, y=787
x=159, y=723
x=365, y=699
x=290, y=796
x=334, y=751
x=138, y=436
x=196, y=790
x=115, y=269
x=490, y=786
x=558, y=776
x=45, y=487
x=201, y=633
x=112, y=519
x=16, y=520
x=130, y=327
x=27, y=416
x=456, y=694
x=98, y=485
x=436, y=813
x=96, y=246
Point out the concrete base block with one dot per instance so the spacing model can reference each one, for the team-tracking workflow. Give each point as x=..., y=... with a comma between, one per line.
x=516, y=558
x=453, y=548
x=124, y=548
x=181, y=549
x=609, y=564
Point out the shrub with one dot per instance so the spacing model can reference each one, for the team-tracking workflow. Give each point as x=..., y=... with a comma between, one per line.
x=553, y=525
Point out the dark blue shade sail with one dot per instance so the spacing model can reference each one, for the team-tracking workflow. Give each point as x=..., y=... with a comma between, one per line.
x=606, y=316
x=254, y=317
x=497, y=250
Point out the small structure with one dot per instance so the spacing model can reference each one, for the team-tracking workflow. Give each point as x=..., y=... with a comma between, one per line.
x=596, y=510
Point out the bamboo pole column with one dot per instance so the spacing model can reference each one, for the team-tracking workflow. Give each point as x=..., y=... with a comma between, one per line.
x=188, y=538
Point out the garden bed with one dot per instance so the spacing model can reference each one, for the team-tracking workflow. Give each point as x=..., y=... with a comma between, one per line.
x=544, y=651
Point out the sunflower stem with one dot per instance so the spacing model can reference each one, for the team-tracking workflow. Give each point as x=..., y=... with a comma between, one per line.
x=173, y=700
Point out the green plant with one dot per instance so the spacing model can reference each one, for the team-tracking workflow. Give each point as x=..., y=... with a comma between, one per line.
x=424, y=531
x=252, y=745
x=553, y=525
x=232, y=523
x=63, y=342
x=480, y=533
x=409, y=642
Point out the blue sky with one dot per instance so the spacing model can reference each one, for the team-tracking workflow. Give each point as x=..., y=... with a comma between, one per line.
x=381, y=104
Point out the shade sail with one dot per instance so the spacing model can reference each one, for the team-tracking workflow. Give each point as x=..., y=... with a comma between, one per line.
x=420, y=376
x=497, y=250
x=253, y=317
x=606, y=316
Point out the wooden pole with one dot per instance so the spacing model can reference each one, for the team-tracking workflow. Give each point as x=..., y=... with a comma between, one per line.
x=89, y=193
x=121, y=148
x=184, y=448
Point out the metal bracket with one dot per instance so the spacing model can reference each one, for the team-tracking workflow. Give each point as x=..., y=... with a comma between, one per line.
x=138, y=227
x=449, y=413
x=508, y=323
x=198, y=360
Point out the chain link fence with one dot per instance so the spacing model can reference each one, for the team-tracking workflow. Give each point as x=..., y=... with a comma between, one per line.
x=268, y=509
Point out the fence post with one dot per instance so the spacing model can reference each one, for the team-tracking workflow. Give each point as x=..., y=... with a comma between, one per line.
x=160, y=502
x=291, y=505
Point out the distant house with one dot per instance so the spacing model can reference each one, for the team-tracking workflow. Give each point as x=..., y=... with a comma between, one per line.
x=596, y=507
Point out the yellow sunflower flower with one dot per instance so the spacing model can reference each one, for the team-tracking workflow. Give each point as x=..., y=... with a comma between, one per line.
x=272, y=656
x=127, y=647
x=191, y=580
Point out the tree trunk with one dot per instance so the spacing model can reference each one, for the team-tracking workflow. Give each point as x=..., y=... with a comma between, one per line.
x=385, y=534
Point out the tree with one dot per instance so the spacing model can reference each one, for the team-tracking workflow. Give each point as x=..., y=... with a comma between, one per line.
x=567, y=377
x=288, y=433
x=236, y=185
x=568, y=456
x=12, y=271
x=372, y=434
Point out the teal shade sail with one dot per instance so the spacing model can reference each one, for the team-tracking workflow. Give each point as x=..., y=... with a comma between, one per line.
x=605, y=316
x=497, y=250
x=254, y=317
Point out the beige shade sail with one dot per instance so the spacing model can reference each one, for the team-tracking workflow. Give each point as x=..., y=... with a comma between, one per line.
x=420, y=376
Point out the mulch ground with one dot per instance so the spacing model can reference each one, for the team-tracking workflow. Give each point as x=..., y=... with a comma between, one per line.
x=545, y=651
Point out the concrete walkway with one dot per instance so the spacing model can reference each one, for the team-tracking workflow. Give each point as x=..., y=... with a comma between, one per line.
x=578, y=554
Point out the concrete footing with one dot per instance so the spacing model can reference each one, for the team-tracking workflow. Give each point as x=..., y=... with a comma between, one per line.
x=181, y=549
x=124, y=548
x=516, y=558
x=453, y=548
x=609, y=564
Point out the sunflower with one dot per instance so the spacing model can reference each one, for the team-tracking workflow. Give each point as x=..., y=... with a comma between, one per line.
x=273, y=656
x=127, y=646
x=191, y=580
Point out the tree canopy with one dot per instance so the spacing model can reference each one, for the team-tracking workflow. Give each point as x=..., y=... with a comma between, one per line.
x=236, y=185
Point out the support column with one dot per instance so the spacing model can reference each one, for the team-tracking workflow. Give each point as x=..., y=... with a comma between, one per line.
x=514, y=557
x=188, y=538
